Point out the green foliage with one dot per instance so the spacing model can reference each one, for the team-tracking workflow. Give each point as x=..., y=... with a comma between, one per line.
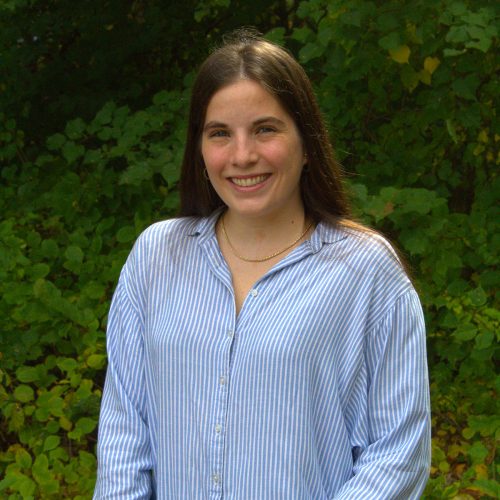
x=409, y=92
x=66, y=59
x=70, y=216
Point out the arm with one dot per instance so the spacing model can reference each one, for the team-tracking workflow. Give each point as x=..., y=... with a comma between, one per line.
x=395, y=464
x=123, y=451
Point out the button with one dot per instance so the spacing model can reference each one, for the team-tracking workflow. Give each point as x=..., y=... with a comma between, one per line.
x=230, y=334
x=222, y=380
x=218, y=428
x=216, y=478
x=254, y=293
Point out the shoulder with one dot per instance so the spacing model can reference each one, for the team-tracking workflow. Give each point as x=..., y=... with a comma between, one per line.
x=362, y=249
x=165, y=236
x=366, y=262
x=167, y=230
x=161, y=241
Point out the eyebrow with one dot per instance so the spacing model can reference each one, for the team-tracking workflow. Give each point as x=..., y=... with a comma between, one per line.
x=269, y=119
x=259, y=121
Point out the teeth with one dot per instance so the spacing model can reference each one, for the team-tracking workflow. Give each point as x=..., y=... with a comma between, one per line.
x=249, y=181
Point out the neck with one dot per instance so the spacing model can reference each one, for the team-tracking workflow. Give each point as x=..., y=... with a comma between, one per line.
x=255, y=238
x=271, y=228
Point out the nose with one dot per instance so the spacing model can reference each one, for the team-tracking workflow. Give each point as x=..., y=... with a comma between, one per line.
x=244, y=152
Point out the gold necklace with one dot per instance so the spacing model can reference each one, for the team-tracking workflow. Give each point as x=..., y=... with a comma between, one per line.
x=269, y=257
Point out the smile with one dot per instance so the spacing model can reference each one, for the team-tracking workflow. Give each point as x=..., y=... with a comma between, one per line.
x=249, y=181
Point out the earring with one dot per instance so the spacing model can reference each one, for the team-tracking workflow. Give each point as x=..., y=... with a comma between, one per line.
x=305, y=167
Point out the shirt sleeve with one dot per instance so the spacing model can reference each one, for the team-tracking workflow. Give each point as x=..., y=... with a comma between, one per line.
x=395, y=464
x=123, y=450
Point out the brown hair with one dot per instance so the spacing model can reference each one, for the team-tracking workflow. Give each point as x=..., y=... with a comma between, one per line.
x=248, y=56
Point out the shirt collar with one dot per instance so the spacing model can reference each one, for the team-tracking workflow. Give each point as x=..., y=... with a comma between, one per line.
x=324, y=234
x=204, y=227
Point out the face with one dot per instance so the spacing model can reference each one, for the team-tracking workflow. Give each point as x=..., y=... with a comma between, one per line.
x=253, y=152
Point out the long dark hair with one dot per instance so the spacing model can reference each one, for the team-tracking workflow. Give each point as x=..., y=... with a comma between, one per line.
x=246, y=55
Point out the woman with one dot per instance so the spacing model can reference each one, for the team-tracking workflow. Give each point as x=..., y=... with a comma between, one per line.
x=262, y=346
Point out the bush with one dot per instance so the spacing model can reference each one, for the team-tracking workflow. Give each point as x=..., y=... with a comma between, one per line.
x=408, y=91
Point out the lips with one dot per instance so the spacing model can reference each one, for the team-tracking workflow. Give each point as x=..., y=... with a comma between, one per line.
x=249, y=181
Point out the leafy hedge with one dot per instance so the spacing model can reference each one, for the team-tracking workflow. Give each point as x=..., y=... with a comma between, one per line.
x=408, y=89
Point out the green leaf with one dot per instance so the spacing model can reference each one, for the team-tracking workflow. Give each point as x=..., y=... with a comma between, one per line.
x=96, y=361
x=477, y=297
x=484, y=340
x=409, y=77
x=468, y=433
x=485, y=425
x=67, y=364
x=87, y=459
x=94, y=290
x=466, y=87
x=276, y=35
x=24, y=393
x=23, y=458
x=482, y=44
x=400, y=54
x=26, y=486
x=126, y=234
x=84, y=425
x=453, y=52
x=39, y=270
x=477, y=452
x=40, y=469
x=391, y=41
x=105, y=115
x=50, y=404
x=49, y=249
x=136, y=174
x=488, y=487
x=310, y=51
x=75, y=129
x=415, y=243
x=481, y=18
x=27, y=374
x=387, y=22
x=457, y=8
x=465, y=332
x=74, y=254
x=51, y=443
x=162, y=97
x=457, y=34
x=72, y=151
x=55, y=142
x=451, y=130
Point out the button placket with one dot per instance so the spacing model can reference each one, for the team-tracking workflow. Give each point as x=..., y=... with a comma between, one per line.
x=218, y=429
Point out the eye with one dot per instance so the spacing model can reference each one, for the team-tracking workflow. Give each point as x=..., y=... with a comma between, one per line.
x=265, y=129
x=218, y=133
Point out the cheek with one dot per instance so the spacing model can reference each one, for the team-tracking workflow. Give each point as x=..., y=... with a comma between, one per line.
x=284, y=155
x=213, y=157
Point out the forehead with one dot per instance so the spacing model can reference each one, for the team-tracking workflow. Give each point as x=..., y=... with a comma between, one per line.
x=246, y=97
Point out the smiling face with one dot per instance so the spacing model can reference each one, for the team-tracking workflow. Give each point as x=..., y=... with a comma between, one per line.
x=253, y=152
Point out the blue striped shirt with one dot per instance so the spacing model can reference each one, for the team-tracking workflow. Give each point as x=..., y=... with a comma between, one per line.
x=317, y=389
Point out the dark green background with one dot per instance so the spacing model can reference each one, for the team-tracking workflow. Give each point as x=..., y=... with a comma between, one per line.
x=93, y=99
